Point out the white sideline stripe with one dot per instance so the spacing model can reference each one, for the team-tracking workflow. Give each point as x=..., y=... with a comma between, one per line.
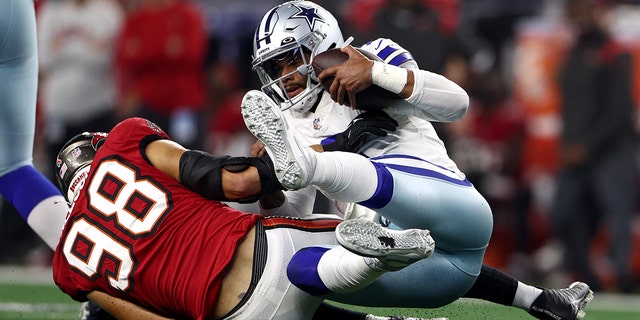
x=38, y=307
x=25, y=275
x=615, y=302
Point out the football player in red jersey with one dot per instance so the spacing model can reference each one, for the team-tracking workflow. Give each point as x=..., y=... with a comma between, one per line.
x=38, y=201
x=142, y=228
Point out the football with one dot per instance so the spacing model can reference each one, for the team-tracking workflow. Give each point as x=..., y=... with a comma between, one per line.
x=371, y=98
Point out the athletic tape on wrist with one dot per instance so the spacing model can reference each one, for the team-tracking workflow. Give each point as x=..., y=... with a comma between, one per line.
x=389, y=77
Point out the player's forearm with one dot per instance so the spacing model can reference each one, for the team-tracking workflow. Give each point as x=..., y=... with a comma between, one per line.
x=439, y=98
x=122, y=309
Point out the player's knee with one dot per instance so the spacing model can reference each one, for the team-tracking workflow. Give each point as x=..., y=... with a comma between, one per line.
x=303, y=270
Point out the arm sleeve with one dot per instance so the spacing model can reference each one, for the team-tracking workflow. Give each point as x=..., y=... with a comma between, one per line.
x=436, y=98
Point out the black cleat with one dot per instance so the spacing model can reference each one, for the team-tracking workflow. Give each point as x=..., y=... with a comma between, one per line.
x=562, y=304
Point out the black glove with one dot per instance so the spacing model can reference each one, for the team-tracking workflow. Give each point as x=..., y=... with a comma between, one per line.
x=365, y=127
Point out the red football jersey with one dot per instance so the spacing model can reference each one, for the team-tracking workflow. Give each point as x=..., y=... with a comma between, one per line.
x=136, y=233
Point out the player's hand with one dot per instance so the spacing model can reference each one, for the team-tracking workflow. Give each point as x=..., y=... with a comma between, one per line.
x=364, y=128
x=257, y=149
x=351, y=77
x=273, y=200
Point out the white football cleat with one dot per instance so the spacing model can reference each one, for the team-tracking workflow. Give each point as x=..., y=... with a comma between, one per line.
x=356, y=211
x=395, y=249
x=294, y=164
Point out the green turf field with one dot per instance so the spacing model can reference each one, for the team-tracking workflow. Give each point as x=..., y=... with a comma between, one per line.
x=30, y=294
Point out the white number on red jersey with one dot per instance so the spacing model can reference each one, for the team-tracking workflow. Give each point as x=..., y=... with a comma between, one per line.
x=136, y=205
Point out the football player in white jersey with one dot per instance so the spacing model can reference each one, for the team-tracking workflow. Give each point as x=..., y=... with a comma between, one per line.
x=35, y=197
x=410, y=178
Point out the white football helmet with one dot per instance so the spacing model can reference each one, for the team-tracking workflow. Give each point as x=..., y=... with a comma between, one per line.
x=290, y=29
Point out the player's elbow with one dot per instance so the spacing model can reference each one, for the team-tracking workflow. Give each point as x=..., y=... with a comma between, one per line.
x=459, y=106
x=453, y=108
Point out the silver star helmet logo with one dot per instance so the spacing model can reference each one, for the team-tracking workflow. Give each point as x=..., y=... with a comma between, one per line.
x=309, y=14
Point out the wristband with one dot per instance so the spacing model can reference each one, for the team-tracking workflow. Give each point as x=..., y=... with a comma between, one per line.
x=389, y=77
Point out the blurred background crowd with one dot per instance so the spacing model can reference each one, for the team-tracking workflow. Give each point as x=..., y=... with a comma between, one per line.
x=550, y=138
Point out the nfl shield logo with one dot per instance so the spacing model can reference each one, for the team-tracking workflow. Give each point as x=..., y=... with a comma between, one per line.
x=76, y=152
x=316, y=124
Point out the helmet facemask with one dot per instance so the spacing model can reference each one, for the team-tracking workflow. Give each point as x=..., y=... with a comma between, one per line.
x=273, y=84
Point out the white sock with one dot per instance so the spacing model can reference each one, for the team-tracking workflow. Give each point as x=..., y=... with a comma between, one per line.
x=336, y=172
x=342, y=271
x=525, y=296
x=47, y=219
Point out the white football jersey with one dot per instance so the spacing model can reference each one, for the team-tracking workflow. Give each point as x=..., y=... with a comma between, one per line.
x=328, y=119
x=435, y=98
